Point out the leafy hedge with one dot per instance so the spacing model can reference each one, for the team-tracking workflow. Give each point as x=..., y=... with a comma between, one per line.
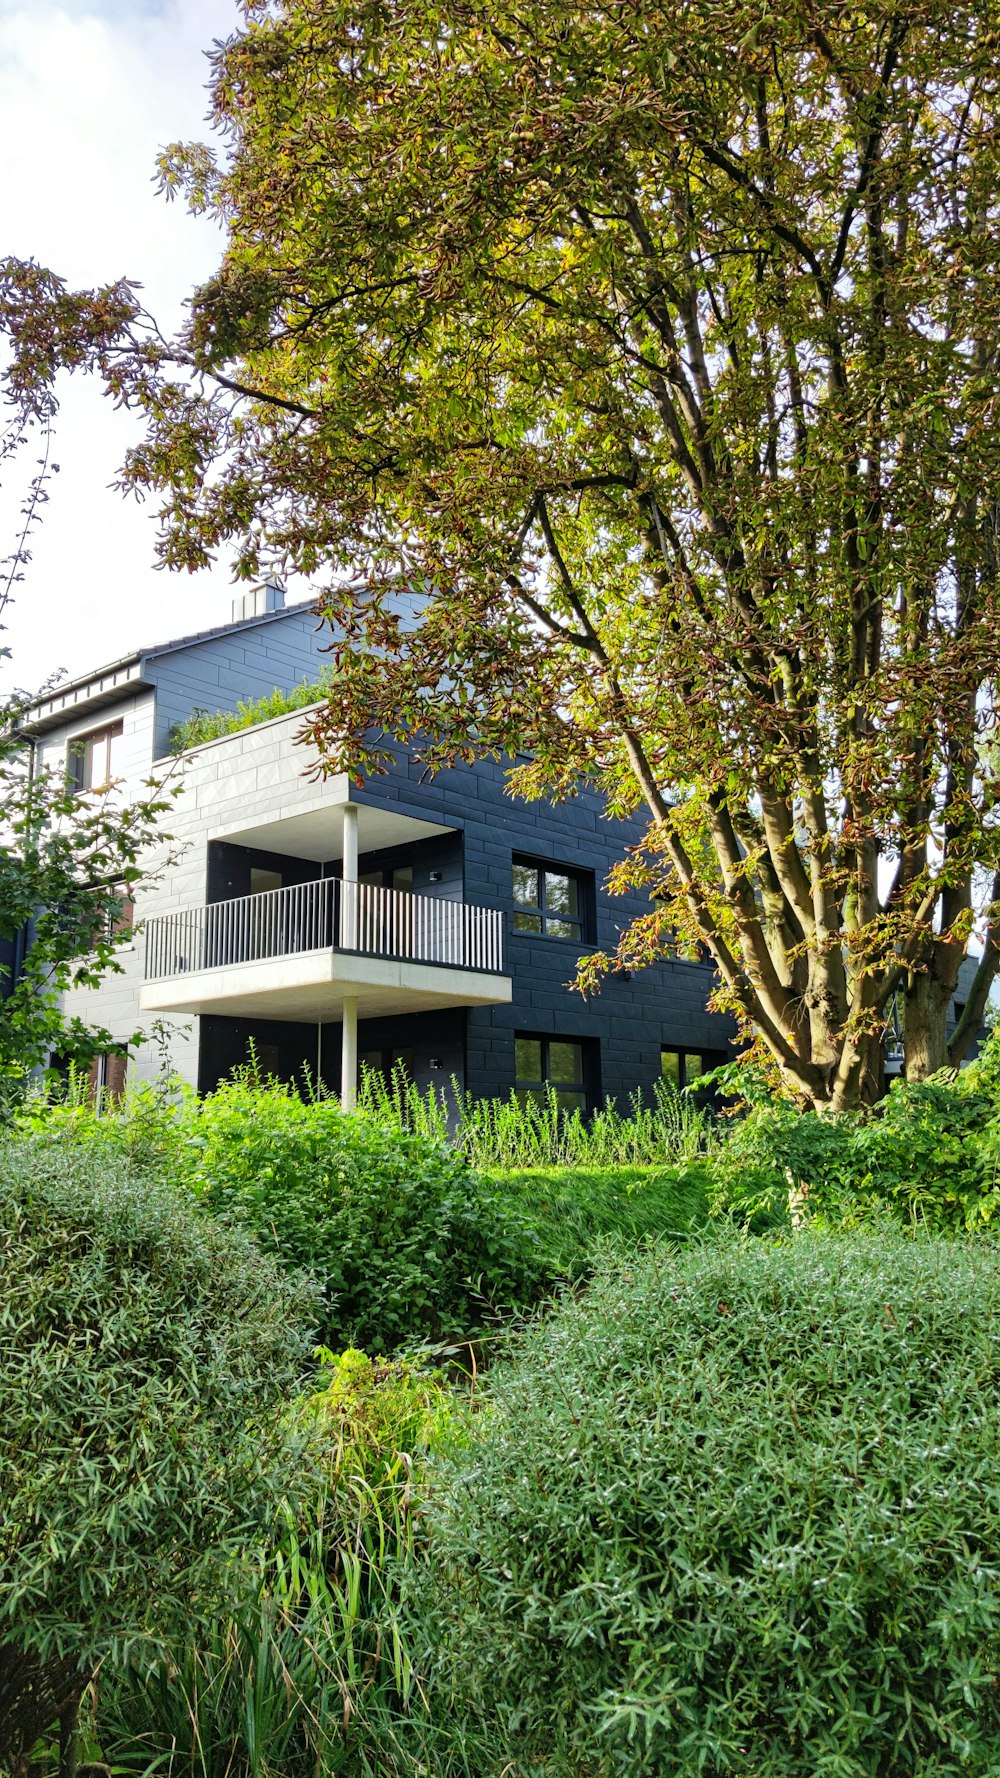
x=929, y=1156
x=736, y=1511
x=145, y=1354
x=408, y=1244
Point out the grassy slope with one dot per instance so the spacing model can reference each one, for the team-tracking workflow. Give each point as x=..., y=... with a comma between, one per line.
x=579, y=1209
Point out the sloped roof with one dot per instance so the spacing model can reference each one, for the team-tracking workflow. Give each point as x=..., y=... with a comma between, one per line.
x=89, y=691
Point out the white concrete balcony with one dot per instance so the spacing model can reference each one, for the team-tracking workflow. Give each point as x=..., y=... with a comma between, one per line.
x=298, y=953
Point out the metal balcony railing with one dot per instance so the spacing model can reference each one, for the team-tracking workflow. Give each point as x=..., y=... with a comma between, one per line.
x=320, y=916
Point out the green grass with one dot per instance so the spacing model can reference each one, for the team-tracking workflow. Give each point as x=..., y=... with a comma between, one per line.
x=579, y=1211
x=505, y=1134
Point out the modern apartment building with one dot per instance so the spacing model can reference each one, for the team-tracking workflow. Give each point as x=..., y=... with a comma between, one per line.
x=434, y=922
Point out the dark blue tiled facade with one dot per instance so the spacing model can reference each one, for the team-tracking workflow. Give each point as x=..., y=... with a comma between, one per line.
x=624, y=1027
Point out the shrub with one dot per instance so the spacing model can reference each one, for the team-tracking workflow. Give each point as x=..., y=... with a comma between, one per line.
x=924, y=1158
x=408, y=1244
x=308, y=1672
x=144, y=1124
x=737, y=1511
x=143, y=1352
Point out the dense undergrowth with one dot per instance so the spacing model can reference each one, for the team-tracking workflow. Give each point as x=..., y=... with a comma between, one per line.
x=719, y=1505
x=410, y=1243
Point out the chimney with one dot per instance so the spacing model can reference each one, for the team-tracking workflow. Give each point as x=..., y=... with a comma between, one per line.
x=259, y=601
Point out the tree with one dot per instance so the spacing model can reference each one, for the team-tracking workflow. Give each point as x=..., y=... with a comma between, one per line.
x=67, y=865
x=68, y=857
x=659, y=348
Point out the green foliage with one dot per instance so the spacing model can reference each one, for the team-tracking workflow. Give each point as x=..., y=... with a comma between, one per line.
x=927, y=1156
x=208, y=725
x=143, y=1353
x=509, y=1133
x=736, y=1512
x=67, y=864
x=309, y=1670
x=145, y=1124
x=408, y=1243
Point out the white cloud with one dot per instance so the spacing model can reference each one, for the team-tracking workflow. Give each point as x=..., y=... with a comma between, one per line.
x=89, y=93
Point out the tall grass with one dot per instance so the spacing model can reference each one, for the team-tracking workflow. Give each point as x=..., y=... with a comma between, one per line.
x=514, y=1134
x=151, y=1118
x=309, y=1673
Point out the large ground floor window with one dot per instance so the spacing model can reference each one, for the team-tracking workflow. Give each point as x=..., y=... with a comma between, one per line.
x=559, y=1063
x=680, y=1067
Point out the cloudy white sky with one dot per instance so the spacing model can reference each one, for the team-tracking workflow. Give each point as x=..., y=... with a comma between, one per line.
x=89, y=90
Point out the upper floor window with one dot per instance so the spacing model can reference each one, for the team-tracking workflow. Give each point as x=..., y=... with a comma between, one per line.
x=548, y=900
x=92, y=760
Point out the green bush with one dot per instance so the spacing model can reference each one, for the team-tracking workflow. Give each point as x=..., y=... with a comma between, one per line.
x=144, y=1352
x=924, y=1157
x=308, y=1672
x=409, y=1245
x=736, y=1511
x=144, y=1124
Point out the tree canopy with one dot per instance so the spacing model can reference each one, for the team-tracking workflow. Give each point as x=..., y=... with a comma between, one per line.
x=657, y=347
x=69, y=857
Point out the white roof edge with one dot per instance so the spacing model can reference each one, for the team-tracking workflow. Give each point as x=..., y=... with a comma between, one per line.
x=87, y=686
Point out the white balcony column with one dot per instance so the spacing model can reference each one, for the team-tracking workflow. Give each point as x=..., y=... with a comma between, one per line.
x=349, y=880
x=349, y=1056
x=350, y=842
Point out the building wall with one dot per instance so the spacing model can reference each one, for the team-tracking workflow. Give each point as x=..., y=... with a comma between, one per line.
x=280, y=652
x=135, y=752
x=662, y=1006
x=260, y=775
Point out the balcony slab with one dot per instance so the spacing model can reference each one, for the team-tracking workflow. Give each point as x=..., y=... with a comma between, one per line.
x=312, y=986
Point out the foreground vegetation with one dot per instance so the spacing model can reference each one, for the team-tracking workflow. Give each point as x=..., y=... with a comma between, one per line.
x=735, y=1510
x=590, y=1479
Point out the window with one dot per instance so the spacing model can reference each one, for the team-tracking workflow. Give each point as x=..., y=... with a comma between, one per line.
x=385, y=1063
x=92, y=760
x=124, y=919
x=548, y=901
x=106, y=1079
x=556, y=1063
x=262, y=882
x=680, y=1067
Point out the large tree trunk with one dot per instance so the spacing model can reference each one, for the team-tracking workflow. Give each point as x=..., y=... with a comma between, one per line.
x=925, y=1049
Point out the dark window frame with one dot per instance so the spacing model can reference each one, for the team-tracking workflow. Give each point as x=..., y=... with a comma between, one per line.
x=587, y=1089
x=684, y=1074
x=80, y=757
x=546, y=916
